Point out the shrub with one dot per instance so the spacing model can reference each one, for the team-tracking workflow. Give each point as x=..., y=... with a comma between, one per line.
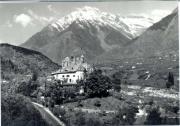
x=97, y=103
x=92, y=121
x=80, y=119
x=79, y=104
x=153, y=117
x=125, y=116
x=18, y=111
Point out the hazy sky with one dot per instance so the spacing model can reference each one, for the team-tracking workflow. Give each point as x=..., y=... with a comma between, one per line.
x=19, y=21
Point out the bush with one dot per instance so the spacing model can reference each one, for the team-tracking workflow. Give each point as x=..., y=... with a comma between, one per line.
x=153, y=117
x=92, y=121
x=125, y=116
x=18, y=111
x=28, y=88
x=79, y=104
x=80, y=119
x=97, y=103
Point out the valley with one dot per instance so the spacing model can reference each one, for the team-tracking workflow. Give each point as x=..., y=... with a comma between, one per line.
x=94, y=68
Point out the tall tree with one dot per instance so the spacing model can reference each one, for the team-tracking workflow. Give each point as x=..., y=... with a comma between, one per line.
x=116, y=81
x=153, y=117
x=97, y=84
x=170, y=81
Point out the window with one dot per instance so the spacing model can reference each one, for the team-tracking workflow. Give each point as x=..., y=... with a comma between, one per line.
x=73, y=75
x=67, y=75
x=62, y=75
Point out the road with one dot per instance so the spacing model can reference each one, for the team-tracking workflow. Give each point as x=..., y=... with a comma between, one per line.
x=48, y=116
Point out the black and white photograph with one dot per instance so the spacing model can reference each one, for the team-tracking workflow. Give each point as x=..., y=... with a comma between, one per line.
x=89, y=63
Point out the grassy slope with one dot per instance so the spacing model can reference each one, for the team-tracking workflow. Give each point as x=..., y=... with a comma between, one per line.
x=17, y=60
x=107, y=103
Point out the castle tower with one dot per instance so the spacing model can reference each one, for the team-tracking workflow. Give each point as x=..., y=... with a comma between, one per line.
x=82, y=59
x=66, y=62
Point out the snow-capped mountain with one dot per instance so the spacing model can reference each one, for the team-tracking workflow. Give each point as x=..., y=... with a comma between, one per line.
x=132, y=26
x=86, y=30
x=137, y=24
x=158, y=40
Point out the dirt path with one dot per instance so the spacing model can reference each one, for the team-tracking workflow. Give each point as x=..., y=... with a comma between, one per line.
x=91, y=110
x=48, y=116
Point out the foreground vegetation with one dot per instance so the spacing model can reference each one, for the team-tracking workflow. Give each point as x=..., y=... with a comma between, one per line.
x=122, y=96
x=17, y=110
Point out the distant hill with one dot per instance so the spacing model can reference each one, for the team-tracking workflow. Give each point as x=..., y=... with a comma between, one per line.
x=18, y=60
x=159, y=39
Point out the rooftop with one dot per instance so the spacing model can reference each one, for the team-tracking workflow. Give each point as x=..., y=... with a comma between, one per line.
x=64, y=72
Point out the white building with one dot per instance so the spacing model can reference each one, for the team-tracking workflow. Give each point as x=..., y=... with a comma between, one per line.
x=69, y=77
x=72, y=70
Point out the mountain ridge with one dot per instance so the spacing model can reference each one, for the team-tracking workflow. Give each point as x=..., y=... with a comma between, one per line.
x=85, y=34
x=17, y=60
x=159, y=39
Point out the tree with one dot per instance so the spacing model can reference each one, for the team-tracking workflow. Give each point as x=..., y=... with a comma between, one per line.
x=97, y=84
x=170, y=81
x=153, y=117
x=34, y=76
x=24, y=88
x=55, y=92
x=116, y=82
x=28, y=88
x=80, y=119
x=97, y=103
x=125, y=116
x=18, y=110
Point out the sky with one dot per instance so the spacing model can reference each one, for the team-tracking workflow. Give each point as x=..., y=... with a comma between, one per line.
x=19, y=21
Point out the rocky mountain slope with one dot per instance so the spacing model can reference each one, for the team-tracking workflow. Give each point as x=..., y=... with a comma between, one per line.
x=159, y=39
x=18, y=60
x=88, y=31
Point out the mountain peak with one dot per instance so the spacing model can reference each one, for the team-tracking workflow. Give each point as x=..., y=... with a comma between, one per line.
x=96, y=17
x=82, y=14
x=85, y=13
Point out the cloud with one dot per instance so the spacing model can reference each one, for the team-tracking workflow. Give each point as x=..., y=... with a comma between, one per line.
x=43, y=20
x=8, y=24
x=156, y=15
x=1, y=41
x=50, y=8
x=23, y=19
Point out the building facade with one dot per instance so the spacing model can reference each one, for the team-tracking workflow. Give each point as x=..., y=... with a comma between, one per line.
x=70, y=77
x=73, y=69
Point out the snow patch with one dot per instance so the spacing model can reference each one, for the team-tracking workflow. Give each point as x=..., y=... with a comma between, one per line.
x=129, y=26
